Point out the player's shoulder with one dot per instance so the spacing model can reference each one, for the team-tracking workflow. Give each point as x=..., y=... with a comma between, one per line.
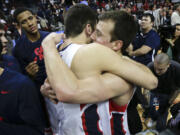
x=94, y=48
x=89, y=55
x=93, y=53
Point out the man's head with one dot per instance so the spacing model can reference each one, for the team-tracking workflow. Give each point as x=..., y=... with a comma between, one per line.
x=3, y=39
x=161, y=63
x=128, y=9
x=79, y=18
x=115, y=29
x=177, y=7
x=177, y=31
x=27, y=20
x=147, y=21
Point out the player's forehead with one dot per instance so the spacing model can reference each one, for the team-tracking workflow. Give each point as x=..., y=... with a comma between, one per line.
x=24, y=15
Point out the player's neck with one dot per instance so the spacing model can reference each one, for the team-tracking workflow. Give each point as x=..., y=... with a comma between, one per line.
x=119, y=53
x=80, y=39
x=1, y=71
x=33, y=37
x=146, y=30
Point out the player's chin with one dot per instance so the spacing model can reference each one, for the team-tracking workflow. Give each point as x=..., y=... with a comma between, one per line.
x=33, y=31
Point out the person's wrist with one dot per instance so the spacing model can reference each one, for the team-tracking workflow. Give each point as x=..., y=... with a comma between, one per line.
x=131, y=53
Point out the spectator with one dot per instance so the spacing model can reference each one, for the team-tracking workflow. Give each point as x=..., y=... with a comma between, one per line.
x=174, y=122
x=175, y=17
x=146, y=44
x=168, y=74
x=176, y=48
x=3, y=39
x=5, y=59
x=156, y=13
x=164, y=20
x=20, y=110
x=28, y=50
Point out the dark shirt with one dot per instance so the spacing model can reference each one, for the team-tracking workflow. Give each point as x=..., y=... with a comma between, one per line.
x=175, y=122
x=26, y=51
x=10, y=62
x=176, y=50
x=150, y=39
x=169, y=81
x=20, y=109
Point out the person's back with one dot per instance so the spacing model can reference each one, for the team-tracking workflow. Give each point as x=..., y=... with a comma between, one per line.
x=20, y=111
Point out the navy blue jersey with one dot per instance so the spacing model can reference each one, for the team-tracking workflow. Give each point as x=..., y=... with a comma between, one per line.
x=20, y=109
x=26, y=51
x=150, y=39
x=10, y=62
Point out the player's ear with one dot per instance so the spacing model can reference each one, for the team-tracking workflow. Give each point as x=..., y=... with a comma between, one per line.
x=117, y=45
x=88, y=29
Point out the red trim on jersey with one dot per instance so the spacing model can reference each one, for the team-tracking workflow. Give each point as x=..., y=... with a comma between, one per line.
x=1, y=118
x=115, y=107
x=84, y=123
x=122, y=119
x=82, y=106
x=98, y=122
x=112, y=125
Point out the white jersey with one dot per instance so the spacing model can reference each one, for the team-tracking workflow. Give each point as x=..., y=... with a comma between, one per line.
x=104, y=118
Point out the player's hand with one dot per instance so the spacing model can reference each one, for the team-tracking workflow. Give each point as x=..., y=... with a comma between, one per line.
x=48, y=92
x=55, y=37
x=130, y=53
x=32, y=68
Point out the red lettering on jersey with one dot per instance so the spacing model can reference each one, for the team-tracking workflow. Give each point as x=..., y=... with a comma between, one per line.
x=39, y=53
x=1, y=118
x=4, y=92
x=10, y=63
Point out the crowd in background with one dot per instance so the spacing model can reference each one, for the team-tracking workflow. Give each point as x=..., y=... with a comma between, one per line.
x=50, y=13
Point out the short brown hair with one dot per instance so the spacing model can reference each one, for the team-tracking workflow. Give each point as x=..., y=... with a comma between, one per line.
x=125, y=27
